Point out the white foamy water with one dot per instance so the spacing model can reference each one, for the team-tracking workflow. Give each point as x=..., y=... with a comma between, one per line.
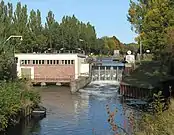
x=100, y=89
x=107, y=82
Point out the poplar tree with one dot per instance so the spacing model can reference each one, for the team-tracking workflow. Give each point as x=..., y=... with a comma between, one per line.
x=69, y=33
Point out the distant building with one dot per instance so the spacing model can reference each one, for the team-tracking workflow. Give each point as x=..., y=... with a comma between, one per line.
x=46, y=67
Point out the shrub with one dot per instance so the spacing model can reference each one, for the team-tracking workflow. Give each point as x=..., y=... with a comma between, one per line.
x=161, y=122
x=13, y=97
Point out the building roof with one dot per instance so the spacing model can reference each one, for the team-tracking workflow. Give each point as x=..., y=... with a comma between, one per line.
x=63, y=56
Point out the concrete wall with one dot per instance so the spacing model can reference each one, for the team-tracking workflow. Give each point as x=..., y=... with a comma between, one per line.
x=84, y=70
x=80, y=62
x=79, y=84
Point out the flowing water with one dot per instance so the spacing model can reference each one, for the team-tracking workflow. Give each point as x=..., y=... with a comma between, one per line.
x=81, y=114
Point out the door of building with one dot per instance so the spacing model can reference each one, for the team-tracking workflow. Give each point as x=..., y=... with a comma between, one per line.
x=26, y=73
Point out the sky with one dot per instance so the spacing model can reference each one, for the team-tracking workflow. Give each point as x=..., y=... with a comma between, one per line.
x=108, y=16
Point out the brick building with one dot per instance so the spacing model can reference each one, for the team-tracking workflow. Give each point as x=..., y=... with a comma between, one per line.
x=61, y=67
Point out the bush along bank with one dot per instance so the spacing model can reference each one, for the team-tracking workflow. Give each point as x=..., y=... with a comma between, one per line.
x=15, y=97
x=156, y=122
x=160, y=122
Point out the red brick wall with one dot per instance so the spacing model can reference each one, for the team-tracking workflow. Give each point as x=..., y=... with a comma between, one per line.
x=52, y=71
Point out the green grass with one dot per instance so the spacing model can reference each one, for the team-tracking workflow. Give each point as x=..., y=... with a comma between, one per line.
x=147, y=75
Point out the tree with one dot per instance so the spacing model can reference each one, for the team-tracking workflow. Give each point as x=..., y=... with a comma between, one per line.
x=70, y=33
x=35, y=40
x=99, y=47
x=111, y=44
x=6, y=16
x=132, y=47
x=170, y=40
x=49, y=27
x=76, y=34
x=151, y=19
x=20, y=20
x=170, y=49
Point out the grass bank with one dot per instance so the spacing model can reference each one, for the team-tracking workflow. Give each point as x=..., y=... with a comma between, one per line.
x=161, y=123
x=15, y=96
x=147, y=75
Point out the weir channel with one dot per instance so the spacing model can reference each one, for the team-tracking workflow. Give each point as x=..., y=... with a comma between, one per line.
x=83, y=113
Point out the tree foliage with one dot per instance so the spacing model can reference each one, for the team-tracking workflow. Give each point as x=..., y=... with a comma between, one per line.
x=110, y=44
x=151, y=19
x=14, y=96
x=133, y=47
x=70, y=33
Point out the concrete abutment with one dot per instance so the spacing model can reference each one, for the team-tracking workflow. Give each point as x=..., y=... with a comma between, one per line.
x=77, y=84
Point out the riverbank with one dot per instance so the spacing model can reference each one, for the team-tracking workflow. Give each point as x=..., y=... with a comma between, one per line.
x=15, y=98
x=149, y=76
x=158, y=124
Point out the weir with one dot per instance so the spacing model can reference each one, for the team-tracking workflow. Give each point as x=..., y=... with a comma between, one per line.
x=107, y=72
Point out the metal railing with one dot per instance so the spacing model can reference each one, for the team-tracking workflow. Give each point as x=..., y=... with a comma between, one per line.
x=60, y=52
x=71, y=51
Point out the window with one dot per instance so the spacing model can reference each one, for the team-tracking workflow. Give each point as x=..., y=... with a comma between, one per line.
x=57, y=61
x=48, y=62
x=22, y=62
x=72, y=61
x=51, y=62
x=28, y=61
x=25, y=62
x=63, y=62
x=39, y=61
x=42, y=61
x=69, y=62
x=54, y=62
x=34, y=62
x=66, y=62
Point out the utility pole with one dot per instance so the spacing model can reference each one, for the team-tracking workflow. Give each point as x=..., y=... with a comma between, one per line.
x=141, y=50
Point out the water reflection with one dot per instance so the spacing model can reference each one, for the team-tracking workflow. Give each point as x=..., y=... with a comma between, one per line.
x=26, y=127
x=81, y=114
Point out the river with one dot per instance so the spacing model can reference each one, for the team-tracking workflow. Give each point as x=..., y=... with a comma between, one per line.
x=83, y=113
